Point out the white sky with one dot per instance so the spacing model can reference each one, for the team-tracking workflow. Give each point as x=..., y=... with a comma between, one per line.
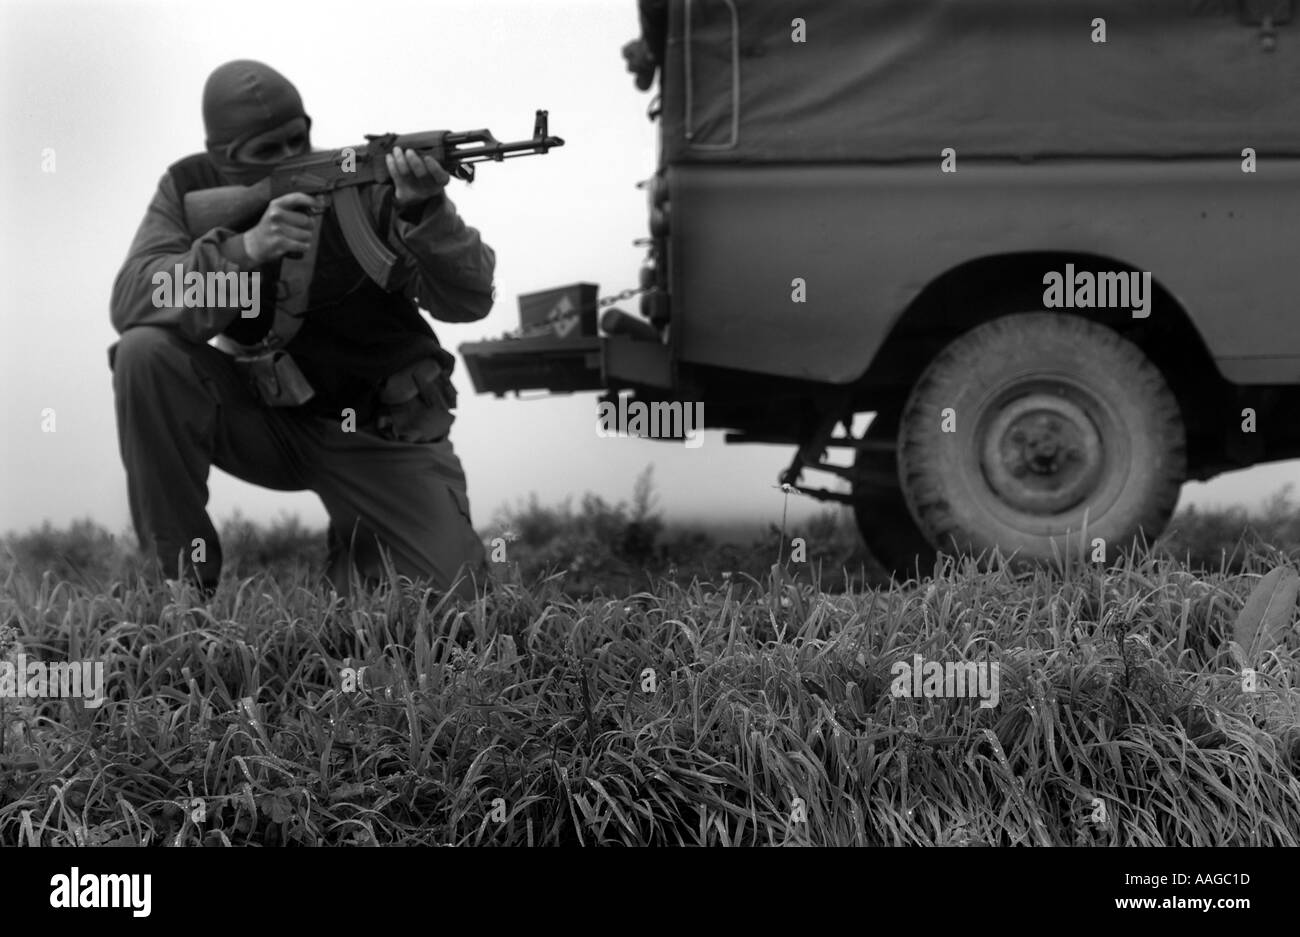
x=114, y=87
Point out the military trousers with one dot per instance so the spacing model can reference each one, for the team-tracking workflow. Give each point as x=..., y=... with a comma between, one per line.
x=183, y=407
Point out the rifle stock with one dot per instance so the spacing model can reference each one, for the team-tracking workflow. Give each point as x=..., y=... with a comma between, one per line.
x=228, y=206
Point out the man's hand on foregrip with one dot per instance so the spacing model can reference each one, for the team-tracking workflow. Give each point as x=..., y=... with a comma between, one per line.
x=285, y=228
x=415, y=179
x=640, y=62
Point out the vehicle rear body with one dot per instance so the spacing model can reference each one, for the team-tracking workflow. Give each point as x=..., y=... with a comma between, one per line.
x=844, y=189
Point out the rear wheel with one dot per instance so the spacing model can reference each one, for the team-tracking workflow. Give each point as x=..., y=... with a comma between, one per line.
x=1030, y=426
x=887, y=526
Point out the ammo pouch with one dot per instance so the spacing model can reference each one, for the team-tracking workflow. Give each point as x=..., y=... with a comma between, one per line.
x=415, y=404
x=275, y=378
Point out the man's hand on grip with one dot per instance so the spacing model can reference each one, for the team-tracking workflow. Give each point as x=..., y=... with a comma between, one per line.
x=285, y=228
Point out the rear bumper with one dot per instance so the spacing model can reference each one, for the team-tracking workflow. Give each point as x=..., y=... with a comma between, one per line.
x=566, y=365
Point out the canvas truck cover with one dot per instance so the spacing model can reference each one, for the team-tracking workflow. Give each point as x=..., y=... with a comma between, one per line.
x=887, y=80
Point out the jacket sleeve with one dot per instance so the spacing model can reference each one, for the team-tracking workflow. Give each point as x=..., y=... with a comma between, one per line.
x=444, y=268
x=161, y=243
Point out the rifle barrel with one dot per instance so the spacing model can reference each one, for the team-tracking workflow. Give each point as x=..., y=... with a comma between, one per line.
x=499, y=151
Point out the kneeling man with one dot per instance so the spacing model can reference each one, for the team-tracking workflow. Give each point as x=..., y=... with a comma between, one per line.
x=350, y=397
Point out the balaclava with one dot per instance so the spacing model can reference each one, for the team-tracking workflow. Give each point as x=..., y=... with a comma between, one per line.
x=242, y=99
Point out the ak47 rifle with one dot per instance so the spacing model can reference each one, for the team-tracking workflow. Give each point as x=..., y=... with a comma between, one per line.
x=338, y=175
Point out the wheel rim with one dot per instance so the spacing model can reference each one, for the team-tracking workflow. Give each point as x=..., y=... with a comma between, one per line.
x=1042, y=454
x=1046, y=449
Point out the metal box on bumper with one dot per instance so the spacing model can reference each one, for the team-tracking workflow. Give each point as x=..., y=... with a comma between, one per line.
x=567, y=311
x=560, y=351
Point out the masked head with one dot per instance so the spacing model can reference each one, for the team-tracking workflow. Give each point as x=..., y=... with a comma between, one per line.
x=254, y=118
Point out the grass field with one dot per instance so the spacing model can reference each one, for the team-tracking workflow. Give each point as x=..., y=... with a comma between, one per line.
x=657, y=688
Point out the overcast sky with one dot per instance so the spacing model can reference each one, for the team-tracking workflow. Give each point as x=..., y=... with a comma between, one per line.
x=114, y=88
